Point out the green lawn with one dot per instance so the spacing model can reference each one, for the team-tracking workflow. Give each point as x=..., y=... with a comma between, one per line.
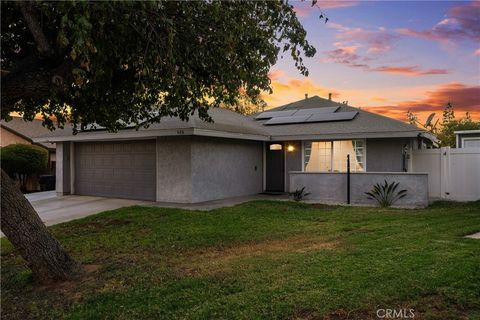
x=260, y=260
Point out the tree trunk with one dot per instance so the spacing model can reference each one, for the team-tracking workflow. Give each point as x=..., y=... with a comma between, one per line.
x=23, y=227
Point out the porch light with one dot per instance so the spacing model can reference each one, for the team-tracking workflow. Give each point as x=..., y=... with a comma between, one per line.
x=275, y=146
x=290, y=148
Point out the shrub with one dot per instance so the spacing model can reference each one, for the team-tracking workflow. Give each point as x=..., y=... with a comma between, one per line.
x=386, y=194
x=23, y=160
x=299, y=194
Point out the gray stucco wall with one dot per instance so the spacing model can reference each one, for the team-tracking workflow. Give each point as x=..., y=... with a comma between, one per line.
x=331, y=187
x=385, y=155
x=223, y=168
x=293, y=160
x=62, y=169
x=174, y=169
x=196, y=169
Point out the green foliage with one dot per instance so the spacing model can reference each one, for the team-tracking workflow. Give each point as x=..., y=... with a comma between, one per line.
x=22, y=160
x=137, y=61
x=299, y=194
x=446, y=134
x=259, y=260
x=386, y=194
x=448, y=125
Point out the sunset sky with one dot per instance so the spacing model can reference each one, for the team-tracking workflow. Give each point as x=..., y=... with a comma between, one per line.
x=388, y=56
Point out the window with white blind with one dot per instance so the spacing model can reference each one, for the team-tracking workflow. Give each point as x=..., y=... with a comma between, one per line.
x=331, y=156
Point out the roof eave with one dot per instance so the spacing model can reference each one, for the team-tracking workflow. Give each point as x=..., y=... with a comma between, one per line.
x=146, y=134
x=350, y=135
x=466, y=131
x=231, y=135
x=120, y=135
x=429, y=136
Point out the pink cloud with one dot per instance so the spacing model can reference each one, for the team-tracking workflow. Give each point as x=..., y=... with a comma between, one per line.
x=463, y=97
x=462, y=23
x=350, y=49
x=477, y=52
x=275, y=74
x=301, y=11
x=348, y=57
x=410, y=70
x=377, y=40
x=344, y=56
x=333, y=4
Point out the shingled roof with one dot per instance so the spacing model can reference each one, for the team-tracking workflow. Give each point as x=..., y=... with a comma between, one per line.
x=233, y=125
x=225, y=123
x=28, y=130
x=364, y=125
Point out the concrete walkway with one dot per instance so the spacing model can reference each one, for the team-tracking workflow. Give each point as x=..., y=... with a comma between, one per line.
x=216, y=204
x=53, y=209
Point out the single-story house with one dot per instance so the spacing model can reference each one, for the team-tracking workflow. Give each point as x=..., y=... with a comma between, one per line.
x=18, y=130
x=278, y=150
x=467, y=138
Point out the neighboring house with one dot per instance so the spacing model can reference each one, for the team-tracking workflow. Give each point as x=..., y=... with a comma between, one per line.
x=467, y=138
x=236, y=155
x=18, y=130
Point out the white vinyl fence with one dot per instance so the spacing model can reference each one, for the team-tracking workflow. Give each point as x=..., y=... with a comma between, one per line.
x=453, y=174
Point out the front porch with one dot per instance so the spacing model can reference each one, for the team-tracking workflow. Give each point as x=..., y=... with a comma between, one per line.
x=331, y=188
x=321, y=166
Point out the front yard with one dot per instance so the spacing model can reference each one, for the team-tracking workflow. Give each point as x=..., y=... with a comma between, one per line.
x=260, y=260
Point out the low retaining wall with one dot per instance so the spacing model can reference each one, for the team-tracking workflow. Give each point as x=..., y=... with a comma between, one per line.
x=332, y=187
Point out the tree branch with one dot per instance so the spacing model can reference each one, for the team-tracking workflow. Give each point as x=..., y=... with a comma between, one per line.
x=33, y=81
x=29, y=85
x=31, y=18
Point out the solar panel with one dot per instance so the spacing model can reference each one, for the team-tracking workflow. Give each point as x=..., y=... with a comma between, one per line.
x=287, y=120
x=302, y=112
x=319, y=117
x=337, y=116
x=274, y=114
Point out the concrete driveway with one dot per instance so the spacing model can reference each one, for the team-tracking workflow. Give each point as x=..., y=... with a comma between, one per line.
x=53, y=209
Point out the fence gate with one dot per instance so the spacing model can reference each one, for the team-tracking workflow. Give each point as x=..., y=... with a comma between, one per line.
x=453, y=174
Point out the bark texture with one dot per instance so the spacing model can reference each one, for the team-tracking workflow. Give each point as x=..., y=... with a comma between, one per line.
x=23, y=227
x=31, y=18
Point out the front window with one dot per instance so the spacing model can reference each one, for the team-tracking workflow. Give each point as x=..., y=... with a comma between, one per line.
x=331, y=156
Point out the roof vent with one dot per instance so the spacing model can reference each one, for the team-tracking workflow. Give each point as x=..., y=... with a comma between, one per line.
x=306, y=96
x=330, y=96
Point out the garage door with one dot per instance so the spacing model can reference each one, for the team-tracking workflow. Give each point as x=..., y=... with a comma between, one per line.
x=116, y=169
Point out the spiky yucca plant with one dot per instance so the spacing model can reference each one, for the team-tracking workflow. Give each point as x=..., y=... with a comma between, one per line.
x=299, y=194
x=386, y=194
